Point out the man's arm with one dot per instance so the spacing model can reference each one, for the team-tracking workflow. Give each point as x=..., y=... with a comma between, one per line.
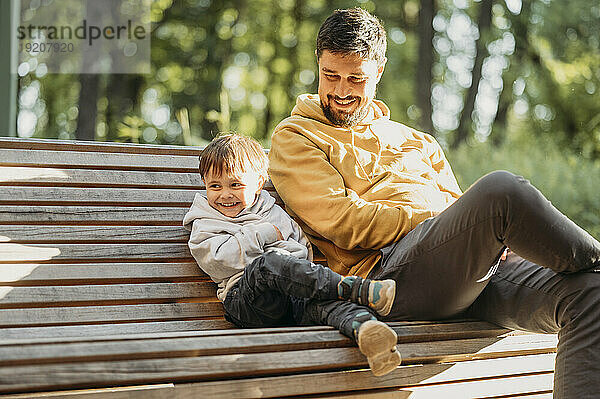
x=446, y=179
x=315, y=192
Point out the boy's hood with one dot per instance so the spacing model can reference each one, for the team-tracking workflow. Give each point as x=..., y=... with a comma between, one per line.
x=200, y=209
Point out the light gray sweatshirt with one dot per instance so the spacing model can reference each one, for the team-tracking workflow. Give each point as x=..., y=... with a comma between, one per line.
x=223, y=246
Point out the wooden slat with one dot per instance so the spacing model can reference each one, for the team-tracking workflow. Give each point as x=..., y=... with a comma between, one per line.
x=535, y=367
x=91, y=215
x=445, y=331
x=96, y=146
x=95, y=273
x=73, y=253
x=94, y=215
x=22, y=195
x=535, y=386
x=461, y=350
x=91, y=252
x=98, y=160
x=169, y=347
x=87, y=331
x=56, y=177
x=158, y=370
x=108, y=314
x=407, y=332
x=82, y=295
x=96, y=234
x=516, y=387
x=96, y=196
x=413, y=377
x=97, y=393
x=111, y=373
x=93, y=335
x=201, y=343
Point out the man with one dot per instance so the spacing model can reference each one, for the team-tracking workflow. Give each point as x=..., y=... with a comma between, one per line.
x=380, y=201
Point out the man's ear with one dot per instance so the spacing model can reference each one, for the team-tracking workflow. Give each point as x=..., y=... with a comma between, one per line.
x=380, y=69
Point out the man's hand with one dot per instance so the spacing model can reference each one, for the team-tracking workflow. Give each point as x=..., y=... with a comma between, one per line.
x=279, y=235
x=504, y=254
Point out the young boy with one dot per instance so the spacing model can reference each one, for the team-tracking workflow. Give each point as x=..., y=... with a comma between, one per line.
x=261, y=260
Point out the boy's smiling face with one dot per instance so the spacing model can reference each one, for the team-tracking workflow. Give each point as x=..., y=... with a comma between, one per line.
x=232, y=193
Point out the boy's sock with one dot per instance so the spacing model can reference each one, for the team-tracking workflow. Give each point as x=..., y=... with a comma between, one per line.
x=377, y=341
x=377, y=294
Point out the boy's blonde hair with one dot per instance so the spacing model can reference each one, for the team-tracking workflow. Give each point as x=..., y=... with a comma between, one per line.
x=233, y=153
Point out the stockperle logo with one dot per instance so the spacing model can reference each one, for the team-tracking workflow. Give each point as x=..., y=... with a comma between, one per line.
x=84, y=36
x=82, y=32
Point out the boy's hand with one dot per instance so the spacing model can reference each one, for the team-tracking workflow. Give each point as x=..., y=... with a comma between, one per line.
x=279, y=236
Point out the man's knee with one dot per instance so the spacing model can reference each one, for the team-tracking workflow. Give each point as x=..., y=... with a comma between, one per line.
x=503, y=186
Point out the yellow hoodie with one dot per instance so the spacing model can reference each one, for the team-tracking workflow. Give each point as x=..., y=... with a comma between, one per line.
x=355, y=190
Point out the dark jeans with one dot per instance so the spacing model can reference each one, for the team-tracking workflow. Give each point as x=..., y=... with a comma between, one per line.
x=450, y=265
x=281, y=290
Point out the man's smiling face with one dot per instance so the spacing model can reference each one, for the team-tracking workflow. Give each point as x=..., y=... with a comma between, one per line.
x=347, y=85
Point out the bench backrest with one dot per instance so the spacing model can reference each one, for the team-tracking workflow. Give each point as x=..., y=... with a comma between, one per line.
x=91, y=240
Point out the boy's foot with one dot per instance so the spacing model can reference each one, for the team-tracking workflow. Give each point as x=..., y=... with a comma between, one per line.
x=381, y=296
x=377, y=342
x=377, y=294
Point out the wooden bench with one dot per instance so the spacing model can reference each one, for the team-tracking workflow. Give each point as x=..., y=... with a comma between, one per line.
x=99, y=296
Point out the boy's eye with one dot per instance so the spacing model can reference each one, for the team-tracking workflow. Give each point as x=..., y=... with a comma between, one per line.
x=236, y=185
x=214, y=186
x=331, y=77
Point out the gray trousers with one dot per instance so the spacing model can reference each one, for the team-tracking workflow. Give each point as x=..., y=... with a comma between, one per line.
x=281, y=290
x=450, y=265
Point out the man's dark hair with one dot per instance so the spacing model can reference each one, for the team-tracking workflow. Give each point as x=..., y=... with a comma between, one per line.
x=353, y=31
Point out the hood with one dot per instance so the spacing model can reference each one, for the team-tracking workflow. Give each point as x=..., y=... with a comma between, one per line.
x=200, y=209
x=309, y=106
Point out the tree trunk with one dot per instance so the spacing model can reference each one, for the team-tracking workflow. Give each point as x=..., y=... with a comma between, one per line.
x=89, y=84
x=484, y=23
x=88, y=107
x=520, y=31
x=425, y=64
x=9, y=16
x=123, y=94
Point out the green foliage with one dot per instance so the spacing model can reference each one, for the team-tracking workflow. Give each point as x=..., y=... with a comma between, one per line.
x=239, y=65
x=567, y=179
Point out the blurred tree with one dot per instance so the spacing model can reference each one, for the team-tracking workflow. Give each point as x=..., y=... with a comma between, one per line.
x=88, y=106
x=512, y=82
x=123, y=92
x=89, y=84
x=496, y=66
x=8, y=48
x=484, y=22
x=425, y=62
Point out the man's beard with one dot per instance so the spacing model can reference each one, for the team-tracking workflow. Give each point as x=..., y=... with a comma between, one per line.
x=344, y=119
